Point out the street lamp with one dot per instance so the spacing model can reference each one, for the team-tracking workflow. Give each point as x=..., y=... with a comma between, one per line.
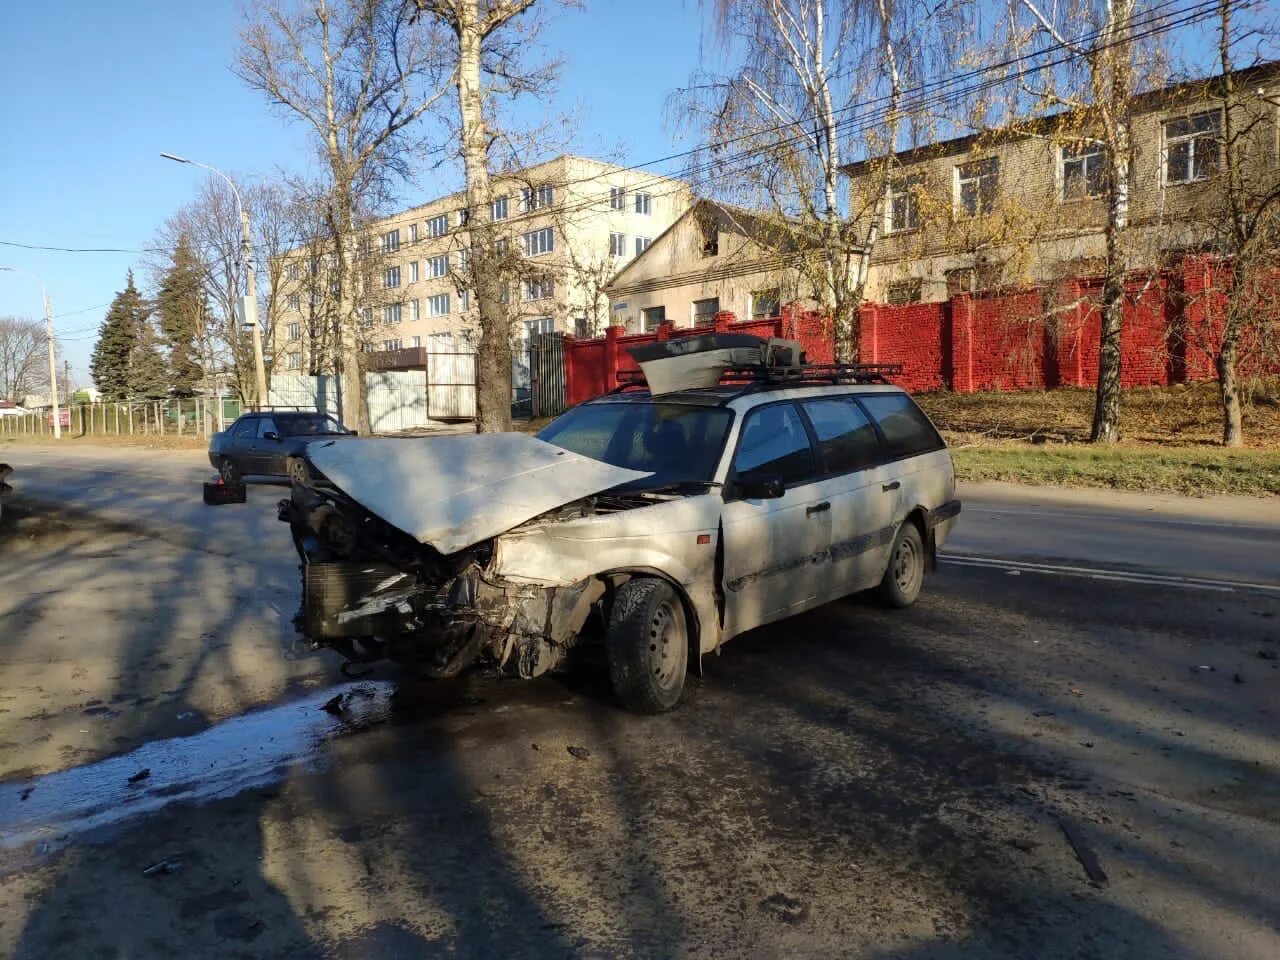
x=53, y=363
x=249, y=303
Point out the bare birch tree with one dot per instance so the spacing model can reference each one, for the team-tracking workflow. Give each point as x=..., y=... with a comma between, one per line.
x=24, y=363
x=821, y=84
x=485, y=35
x=360, y=75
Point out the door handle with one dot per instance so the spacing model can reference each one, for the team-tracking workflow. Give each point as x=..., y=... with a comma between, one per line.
x=822, y=507
x=894, y=485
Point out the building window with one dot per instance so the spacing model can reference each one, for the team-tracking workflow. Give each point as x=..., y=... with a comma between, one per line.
x=539, y=242
x=438, y=266
x=710, y=237
x=903, y=291
x=642, y=244
x=541, y=325
x=391, y=344
x=294, y=302
x=704, y=311
x=438, y=226
x=413, y=272
x=391, y=277
x=904, y=212
x=438, y=306
x=366, y=314
x=1083, y=171
x=498, y=209
x=500, y=246
x=293, y=361
x=462, y=217
x=977, y=183
x=294, y=331
x=414, y=310
x=617, y=244
x=1191, y=147
x=652, y=316
x=617, y=198
x=413, y=233
x=464, y=259
x=391, y=241
x=464, y=301
x=765, y=303
x=415, y=342
x=391, y=313
x=364, y=247
x=536, y=198
x=644, y=203
x=293, y=271
x=539, y=288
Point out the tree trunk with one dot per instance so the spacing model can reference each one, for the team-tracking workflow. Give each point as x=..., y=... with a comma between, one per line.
x=1229, y=385
x=493, y=354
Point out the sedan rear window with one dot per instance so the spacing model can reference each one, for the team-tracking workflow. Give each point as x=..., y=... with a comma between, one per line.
x=906, y=429
x=678, y=443
x=309, y=426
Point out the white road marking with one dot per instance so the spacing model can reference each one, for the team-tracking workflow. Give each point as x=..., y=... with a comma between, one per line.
x=1096, y=573
x=1126, y=517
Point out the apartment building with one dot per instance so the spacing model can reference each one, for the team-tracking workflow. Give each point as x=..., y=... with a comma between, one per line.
x=716, y=257
x=1028, y=204
x=570, y=223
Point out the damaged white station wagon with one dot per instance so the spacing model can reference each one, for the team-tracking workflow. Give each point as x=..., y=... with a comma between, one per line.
x=740, y=488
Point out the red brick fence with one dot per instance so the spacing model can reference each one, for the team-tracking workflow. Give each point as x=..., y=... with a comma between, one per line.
x=1009, y=340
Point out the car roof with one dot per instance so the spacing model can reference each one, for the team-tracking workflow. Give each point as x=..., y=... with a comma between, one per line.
x=744, y=396
x=282, y=414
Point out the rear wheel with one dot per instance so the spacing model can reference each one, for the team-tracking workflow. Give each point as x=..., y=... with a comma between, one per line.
x=648, y=646
x=228, y=472
x=905, y=574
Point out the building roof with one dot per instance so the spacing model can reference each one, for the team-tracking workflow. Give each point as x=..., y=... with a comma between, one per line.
x=1018, y=129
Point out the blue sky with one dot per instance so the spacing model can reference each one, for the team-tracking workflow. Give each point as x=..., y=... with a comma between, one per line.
x=93, y=94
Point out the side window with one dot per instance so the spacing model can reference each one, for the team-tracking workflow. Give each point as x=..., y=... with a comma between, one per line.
x=846, y=439
x=906, y=429
x=266, y=425
x=245, y=429
x=774, y=443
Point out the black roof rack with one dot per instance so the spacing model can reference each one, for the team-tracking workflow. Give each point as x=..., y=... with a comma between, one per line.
x=762, y=377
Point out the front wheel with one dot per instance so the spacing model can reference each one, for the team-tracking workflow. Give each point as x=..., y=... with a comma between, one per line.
x=905, y=575
x=648, y=646
x=297, y=471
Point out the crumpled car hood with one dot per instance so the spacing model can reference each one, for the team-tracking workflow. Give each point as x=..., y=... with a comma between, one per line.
x=451, y=492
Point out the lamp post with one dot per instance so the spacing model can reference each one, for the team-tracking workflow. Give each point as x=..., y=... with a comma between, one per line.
x=53, y=363
x=249, y=310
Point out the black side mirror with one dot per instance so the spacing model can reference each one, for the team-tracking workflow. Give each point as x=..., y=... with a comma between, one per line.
x=271, y=435
x=760, y=488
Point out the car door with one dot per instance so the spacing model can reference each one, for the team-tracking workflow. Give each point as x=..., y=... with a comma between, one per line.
x=775, y=549
x=860, y=488
x=265, y=451
x=238, y=447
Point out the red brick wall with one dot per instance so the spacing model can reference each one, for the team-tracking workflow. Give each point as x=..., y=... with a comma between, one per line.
x=1013, y=340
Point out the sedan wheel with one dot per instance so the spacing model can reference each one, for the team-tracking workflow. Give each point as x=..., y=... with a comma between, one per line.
x=905, y=575
x=648, y=646
x=297, y=471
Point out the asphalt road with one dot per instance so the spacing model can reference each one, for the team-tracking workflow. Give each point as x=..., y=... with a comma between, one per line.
x=1067, y=748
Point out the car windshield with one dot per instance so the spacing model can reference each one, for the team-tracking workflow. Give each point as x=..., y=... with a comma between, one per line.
x=678, y=443
x=308, y=426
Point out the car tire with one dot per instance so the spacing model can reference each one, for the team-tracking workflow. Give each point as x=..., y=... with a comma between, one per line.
x=648, y=646
x=904, y=576
x=228, y=472
x=297, y=471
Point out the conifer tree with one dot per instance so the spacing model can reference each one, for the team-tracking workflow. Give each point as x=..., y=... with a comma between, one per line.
x=117, y=338
x=148, y=376
x=182, y=311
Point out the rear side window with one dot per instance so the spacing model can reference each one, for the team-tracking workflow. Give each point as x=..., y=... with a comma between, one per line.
x=846, y=439
x=906, y=429
x=266, y=425
x=773, y=443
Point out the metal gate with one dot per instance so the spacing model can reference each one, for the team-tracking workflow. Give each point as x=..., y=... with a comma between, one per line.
x=451, y=386
x=546, y=374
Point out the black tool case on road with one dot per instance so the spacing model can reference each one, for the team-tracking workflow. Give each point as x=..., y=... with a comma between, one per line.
x=217, y=492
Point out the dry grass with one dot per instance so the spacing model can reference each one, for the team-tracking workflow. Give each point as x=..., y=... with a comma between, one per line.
x=153, y=441
x=1185, y=414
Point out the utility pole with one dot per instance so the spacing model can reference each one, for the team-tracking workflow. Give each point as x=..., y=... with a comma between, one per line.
x=53, y=367
x=249, y=303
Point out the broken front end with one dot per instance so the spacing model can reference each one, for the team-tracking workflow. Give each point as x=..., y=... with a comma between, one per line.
x=371, y=591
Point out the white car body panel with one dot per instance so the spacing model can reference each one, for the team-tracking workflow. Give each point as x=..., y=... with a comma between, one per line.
x=451, y=492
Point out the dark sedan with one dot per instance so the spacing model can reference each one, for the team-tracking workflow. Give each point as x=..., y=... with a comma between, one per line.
x=270, y=443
